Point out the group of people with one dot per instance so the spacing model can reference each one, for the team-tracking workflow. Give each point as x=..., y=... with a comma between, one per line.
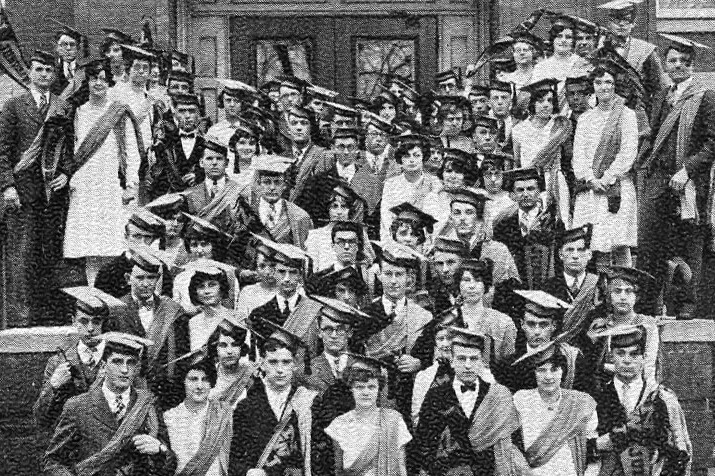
x=465, y=281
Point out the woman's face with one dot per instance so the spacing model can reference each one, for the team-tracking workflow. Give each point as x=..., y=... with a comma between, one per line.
x=245, y=149
x=452, y=179
x=548, y=377
x=544, y=107
x=338, y=210
x=493, y=180
x=209, y=292
x=98, y=85
x=388, y=112
x=563, y=42
x=471, y=288
x=405, y=235
x=228, y=351
x=200, y=249
x=604, y=87
x=365, y=393
x=412, y=161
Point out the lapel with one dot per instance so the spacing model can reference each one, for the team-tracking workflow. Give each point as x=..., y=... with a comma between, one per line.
x=198, y=149
x=101, y=411
x=293, y=223
x=322, y=370
x=133, y=323
x=31, y=108
x=483, y=390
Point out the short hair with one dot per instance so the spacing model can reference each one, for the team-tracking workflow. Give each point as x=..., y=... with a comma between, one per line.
x=203, y=365
x=470, y=174
x=272, y=344
x=686, y=50
x=407, y=146
x=240, y=134
x=106, y=45
x=199, y=278
x=236, y=333
x=351, y=227
x=556, y=31
x=356, y=374
x=557, y=359
x=93, y=72
x=485, y=277
x=540, y=95
x=417, y=230
x=350, y=202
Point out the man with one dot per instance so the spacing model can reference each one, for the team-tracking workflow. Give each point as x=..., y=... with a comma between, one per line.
x=529, y=231
x=454, y=117
x=587, y=35
x=541, y=322
x=89, y=435
x=213, y=163
x=484, y=137
x=275, y=406
x=673, y=218
x=346, y=285
x=579, y=89
x=200, y=429
x=640, y=423
x=142, y=229
x=112, y=49
x=479, y=99
x=447, y=83
x=180, y=82
x=466, y=422
x=177, y=166
x=575, y=254
x=159, y=319
x=285, y=221
x=68, y=43
x=34, y=201
x=500, y=101
x=348, y=242
x=447, y=257
x=75, y=366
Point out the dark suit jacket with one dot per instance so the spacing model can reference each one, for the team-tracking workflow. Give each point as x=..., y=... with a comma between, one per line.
x=315, y=196
x=86, y=426
x=556, y=286
x=336, y=400
x=112, y=281
x=198, y=196
x=165, y=179
x=316, y=160
x=61, y=81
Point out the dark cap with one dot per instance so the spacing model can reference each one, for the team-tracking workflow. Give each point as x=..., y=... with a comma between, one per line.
x=681, y=43
x=148, y=222
x=68, y=31
x=368, y=363
x=546, y=84
x=321, y=93
x=342, y=110
x=497, y=85
x=562, y=21
x=272, y=85
x=377, y=121
x=466, y=195
x=118, y=36
x=445, y=76
x=450, y=245
x=186, y=99
x=181, y=57
x=542, y=304
x=303, y=112
x=338, y=186
x=479, y=89
x=497, y=160
x=348, y=276
x=200, y=227
x=214, y=144
x=346, y=133
x=466, y=337
x=582, y=79
x=183, y=76
x=284, y=336
x=581, y=24
x=339, y=311
x=528, y=38
x=506, y=65
x=43, y=57
x=483, y=120
x=244, y=129
x=408, y=212
x=93, y=301
x=632, y=275
x=540, y=355
x=168, y=204
x=96, y=64
x=398, y=255
x=293, y=82
x=284, y=253
x=581, y=233
x=514, y=175
x=144, y=259
x=386, y=96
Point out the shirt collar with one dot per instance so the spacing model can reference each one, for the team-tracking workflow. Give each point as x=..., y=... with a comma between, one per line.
x=112, y=397
x=210, y=183
x=151, y=301
x=264, y=207
x=348, y=170
x=387, y=303
x=457, y=385
x=36, y=95
x=578, y=279
x=682, y=86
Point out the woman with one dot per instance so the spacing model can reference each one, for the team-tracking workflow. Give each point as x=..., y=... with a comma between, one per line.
x=474, y=280
x=563, y=61
x=556, y=422
x=538, y=141
x=227, y=347
x=368, y=440
x=171, y=208
x=492, y=180
x=411, y=186
x=386, y=105
x=605, y=147
x=526, y=50
x=245, y=144
x=207, y=289
x=105, y=174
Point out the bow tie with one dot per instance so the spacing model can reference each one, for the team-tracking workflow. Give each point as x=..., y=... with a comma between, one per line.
x=469, y=387
x=188, y=135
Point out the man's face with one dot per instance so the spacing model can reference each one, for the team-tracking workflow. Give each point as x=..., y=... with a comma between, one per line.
x=453, y=123
x=484, y=138
x=114, y=53
x=346, y=294
x=231, y=106
x=446, y=265
x=413, y=160
x=136, y=237
x=208, y=292
x=187, y=116
x=500, y=102
x=623, y=296
x=406, y=235
x=466, y=362
x=143, y=283
x=538, y=330
x=464, y=218
x=621, y=26
x=388, y=111
x=575, y=256
x=289, y=97
x=287, y=278
x=41, y=75
x=228, y=351
x=271, y=187
x=120, y=370
x=443, y=344
x=201, y=248
x=480, y=104
x=88, y=327
x=628, y=362
x=139, y=72
x=375, y=140
x=448, y=87
x=493, y=180
x=174, y=225
x=523, y=53
x=345, y=245
x=178, y=87
x=548, y=377
x=577, y=98
x=266, y=270
x=345, y=150
x=395, y=280
x=334, y=335
x=341, y=122
x=197, y=386
x=214, y=164
x=299, y=128
x=678, y=66
x=585, y=43
x=526, y=193
x=279, y=367
x=67, y=48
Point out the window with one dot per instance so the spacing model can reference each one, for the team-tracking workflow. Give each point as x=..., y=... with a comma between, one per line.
x=277, y=57
x=375, y=58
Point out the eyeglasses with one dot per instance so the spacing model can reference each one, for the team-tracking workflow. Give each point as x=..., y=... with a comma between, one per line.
x=345, y=148
x=339, y=330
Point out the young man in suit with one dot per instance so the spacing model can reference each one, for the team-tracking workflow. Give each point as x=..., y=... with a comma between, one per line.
x=213, y=162
x=575, y=254
x=467, y=425
x=309, y=159
x=159, y=319
x=35, y=201
x=274, y=405
x=68, y=42
x=74, y=368
x=447, y=257
x=500, y=101
x=92, y=425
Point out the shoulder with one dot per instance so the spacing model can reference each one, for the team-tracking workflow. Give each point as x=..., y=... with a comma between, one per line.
x=496, y=247
x=502, y=319
x=295, y=210
x=500, y=390
x=524, y=398
x=169, y=305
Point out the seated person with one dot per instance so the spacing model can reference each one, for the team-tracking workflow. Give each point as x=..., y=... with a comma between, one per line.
x=207, y=289
x=228, y=348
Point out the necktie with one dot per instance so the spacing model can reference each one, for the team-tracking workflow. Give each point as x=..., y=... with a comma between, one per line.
x=214, y=188
x=469, y=387
x=118, y=407
x=336, y=366
x=501, y=134
x=671, y=94
x=43, y=102
x=626, y=397
x=524, y=225
x=575, y=288
x=188, y=135
x=286, y=310
x=272, y=215
x=92, y=361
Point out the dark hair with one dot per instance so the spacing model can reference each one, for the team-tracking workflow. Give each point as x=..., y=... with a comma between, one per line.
x=350, y=202
x=93, y=72
x=540, y=95
x=236, y=333
x=556, y=31
x=239, y=134
x=485, y=277
x=470, y=175
x=417, y=230
x=106, y=45
x=199, y=278
x=129, y=59
x=407, y=146
x=361, y=374
x=205, y=366
x=112, y=348
x=686, y=50
x=558, y=360
x=355, y=228
x=272, y=344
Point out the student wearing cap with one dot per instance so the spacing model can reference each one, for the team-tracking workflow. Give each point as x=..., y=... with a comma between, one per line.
x=213, y=162
x=208, y=290
x=142, y=229
x=579, y=92
x=34, y=201
x=345, y=285
x=379, y=153
x=386, y=105
x=74, y=368
x=641, y=424
x=558, y=424
x=411, y=186
x=171, y=209
x=500, y=203
x=500, y=103
x=200, y=428
x=177, y=166
x=575, y=254
x=284, y=220
x=468, y=425
x=258, y=294
x=484, y=136
x=180, y=82
x=227, y=350
x=605, y=149
x=454, y=116
x=244, y=146
x=114, y=427
x=563, y=60
x=673, y=217
x=230, y=99
x=529, y=232
x=68, y=41
x=111, y=47
x=479, y=98
x=275, y=406
x=447, y=256
x=447, y=82
x=526, y=49
x=411, y=226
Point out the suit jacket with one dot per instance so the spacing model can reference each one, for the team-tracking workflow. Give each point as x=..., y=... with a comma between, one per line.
x=198, y=196
x=315, y=161
x=112, y=281
x=86, y=426
x=165, y=179
x=61, y=81
x=556, y=286
x=299, y=221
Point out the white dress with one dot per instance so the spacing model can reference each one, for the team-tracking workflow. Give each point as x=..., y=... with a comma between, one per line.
x=186, y=430
x=96, y=216
x=141, y=106
x=609, y=229
x=319, y=246
x=555, y=67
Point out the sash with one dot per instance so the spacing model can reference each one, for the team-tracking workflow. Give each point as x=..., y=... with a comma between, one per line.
x=160, y=331
x=245, y=375
x=365, y=461
x=572, y=415
x=576, y=318
x=610, y=142
x=142, y=410
x=218, y=429
x=560, y=131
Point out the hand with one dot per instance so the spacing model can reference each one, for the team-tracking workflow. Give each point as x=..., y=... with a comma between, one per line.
x=61, y=375
x=128, y=195
x=597, y=185
x=146, y=444
x=11, y=198
x=59, y=182
x=189, y=179
x=255, y=472
x=678, y=181
x=408, y=364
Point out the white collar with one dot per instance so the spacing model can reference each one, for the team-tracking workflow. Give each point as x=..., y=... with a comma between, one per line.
x=578, y=279
x=636, y=383
x=292, y=301
x=36, y=95
x=683, y=85
x=112, y=397
x=221, y=182
x=387, y=303
x=342, y=361
x=457, y=386
x=264, y=207
x=346, y=172
x=531, y=214
x=86, y=353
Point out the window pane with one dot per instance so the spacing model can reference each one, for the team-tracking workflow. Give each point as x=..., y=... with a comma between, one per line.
x=375, y=58
x=277, y=57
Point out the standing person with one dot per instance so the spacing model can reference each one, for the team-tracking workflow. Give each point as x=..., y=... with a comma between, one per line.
x=436, y=374
x=199, y=428
x=255, y=295
x=454, y=115
x=35, y=198
x=105, y=173
x=227, y=349
x=575, y=254
x=447, y=256
x=213, y=162
x=500, y=202
x=468, y=425
x=207, y=289
x=229, y=99
x=479, y=98
x=111, y=48
x=171, y=209
x=68, y=41
x=605, y=148
x=526, y=49
x=579, y=91
x=500, y=102
x=131, y=436
x=673, y=218
x=563, y=60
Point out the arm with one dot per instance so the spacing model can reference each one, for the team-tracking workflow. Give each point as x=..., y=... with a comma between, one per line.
x=164, y=462
x=133, y=157
x=63, y=450
x=704, y=125
x=51, y=400
x=623, y=162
